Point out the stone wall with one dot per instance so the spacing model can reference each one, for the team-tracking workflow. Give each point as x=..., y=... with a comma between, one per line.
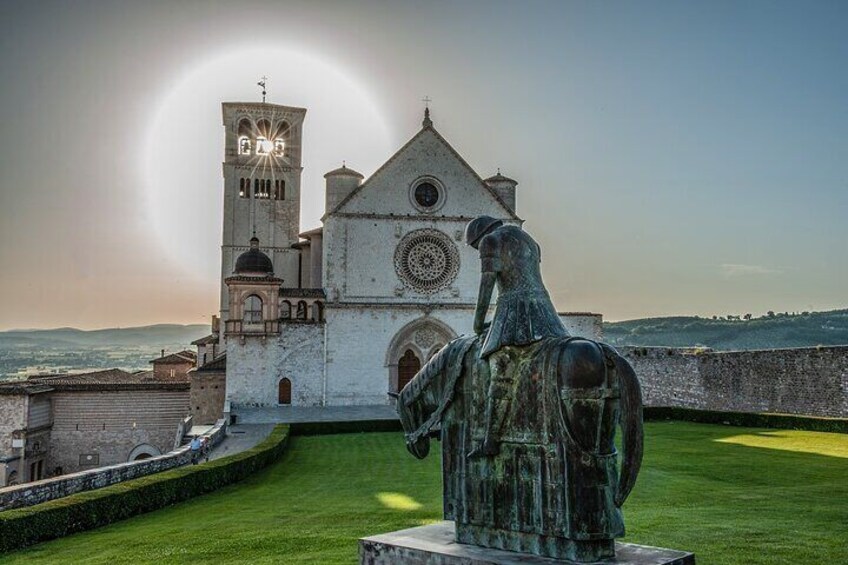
x=58, y=487
x=669, y=376
x=208, y=390
x=255, y=366
x=584, y=324
x=13, y=417
x=807, y=381
x=98, y=428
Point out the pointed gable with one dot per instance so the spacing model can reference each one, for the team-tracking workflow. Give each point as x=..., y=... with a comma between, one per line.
x=427, y=154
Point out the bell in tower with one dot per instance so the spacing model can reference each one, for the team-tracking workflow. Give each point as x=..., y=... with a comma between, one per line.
x=262, y=174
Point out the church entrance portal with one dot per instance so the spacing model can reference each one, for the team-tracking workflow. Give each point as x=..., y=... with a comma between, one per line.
x=413, y=346
x=284, y=392
x=408, y=365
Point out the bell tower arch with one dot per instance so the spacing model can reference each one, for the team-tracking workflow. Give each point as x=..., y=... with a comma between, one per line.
x=262, y=171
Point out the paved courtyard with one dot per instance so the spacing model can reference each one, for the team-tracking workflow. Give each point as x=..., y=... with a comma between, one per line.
x=241, y=438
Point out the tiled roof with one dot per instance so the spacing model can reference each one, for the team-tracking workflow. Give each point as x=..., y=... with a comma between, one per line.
x=111, y=379
x=22, y=387
x=211, y=338
x=309, y=233
x=176, y=358
x=217, y=364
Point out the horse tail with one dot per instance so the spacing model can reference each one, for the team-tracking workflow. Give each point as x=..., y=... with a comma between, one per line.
x=632, y=441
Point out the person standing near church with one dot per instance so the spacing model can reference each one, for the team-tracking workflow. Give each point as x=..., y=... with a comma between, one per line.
x=524, y=313
x=196, y=444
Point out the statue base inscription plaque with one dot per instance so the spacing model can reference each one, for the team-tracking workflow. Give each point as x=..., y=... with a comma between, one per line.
x=435, y=545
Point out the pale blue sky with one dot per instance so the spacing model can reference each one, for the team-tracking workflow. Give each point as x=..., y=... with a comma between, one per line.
x=673, y=157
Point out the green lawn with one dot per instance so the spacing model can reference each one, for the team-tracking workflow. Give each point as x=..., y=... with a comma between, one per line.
x=732, y=495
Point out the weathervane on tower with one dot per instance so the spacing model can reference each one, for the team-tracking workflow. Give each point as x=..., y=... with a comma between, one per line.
x=262, y=83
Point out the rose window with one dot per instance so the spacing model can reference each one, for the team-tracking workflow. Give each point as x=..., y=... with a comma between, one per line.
x=427, y=260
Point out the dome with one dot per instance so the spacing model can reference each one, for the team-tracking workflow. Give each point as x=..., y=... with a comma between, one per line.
x=344, y=171
x=499, y=178
x=254, y=261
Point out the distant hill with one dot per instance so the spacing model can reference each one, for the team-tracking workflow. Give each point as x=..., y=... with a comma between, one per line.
x=773, y=331
x=145, y=336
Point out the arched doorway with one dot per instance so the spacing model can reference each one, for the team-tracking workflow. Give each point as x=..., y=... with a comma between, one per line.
x=143, y=451
x=284, y=392
x=412, y=346
x=408, y=366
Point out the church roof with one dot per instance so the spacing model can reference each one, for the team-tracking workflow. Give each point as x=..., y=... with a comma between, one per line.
x=254, y=261
x=500, y=178
x=309, y=233
x=302, y=293
x=344, y=171
x=427, y=127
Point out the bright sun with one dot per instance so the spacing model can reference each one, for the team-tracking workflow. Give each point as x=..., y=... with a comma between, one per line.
x=185, y=142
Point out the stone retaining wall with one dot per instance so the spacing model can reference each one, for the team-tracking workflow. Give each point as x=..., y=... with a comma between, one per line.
x=57, y=487
x=811, y=381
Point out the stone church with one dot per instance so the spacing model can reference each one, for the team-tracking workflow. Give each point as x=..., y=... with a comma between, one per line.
x=348, y=312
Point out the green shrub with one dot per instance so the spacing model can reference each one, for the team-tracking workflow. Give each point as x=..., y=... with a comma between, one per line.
x=748, y=419
x=362, y=426
x=91, y=509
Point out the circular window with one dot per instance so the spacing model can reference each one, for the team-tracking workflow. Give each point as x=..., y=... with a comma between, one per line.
x=427, y=194
x=427, y=260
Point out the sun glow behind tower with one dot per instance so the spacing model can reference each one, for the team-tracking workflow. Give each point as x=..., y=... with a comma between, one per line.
x=184, y=143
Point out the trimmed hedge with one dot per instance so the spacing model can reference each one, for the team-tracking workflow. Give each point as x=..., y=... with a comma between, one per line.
x=748, y=419
x=356, y=427
x=91, y=509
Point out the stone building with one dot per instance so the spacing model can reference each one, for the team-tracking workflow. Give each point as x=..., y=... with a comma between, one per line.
x=208, y=391
x=175, y=365
x=24, y=431
x=345, y=313
x=61, y=424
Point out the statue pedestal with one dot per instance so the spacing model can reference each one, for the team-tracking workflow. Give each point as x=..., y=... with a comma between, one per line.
x=435, y=545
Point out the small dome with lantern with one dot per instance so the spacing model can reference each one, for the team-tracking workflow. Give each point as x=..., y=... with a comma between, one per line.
x=254, y=262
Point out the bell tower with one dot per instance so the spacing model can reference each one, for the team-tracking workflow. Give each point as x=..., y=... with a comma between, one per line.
x=262, y=170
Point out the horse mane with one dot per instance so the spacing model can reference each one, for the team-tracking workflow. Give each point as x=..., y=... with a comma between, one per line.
x=411, y=404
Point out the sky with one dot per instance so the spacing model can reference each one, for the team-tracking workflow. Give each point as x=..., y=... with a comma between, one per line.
x=673, y=158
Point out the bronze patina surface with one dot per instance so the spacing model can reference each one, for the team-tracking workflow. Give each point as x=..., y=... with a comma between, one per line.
x=527, y=419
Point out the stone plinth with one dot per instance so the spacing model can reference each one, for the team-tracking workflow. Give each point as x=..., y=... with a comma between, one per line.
x=435, y=545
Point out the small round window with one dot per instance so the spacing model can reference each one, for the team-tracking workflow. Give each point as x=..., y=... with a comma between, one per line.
x=427, y=195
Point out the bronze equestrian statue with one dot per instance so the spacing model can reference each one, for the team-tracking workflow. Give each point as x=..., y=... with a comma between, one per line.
x=527, y=417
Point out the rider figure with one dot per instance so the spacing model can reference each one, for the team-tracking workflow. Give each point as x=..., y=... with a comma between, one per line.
x=524, y=313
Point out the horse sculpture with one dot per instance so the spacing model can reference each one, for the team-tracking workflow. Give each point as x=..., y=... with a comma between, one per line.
x=553, y=489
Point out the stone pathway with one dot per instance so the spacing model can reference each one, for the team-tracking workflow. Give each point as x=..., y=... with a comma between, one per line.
x=309, y=414
x=241, y=438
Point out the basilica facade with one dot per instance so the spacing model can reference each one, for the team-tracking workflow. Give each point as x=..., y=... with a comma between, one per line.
x=346, y=313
